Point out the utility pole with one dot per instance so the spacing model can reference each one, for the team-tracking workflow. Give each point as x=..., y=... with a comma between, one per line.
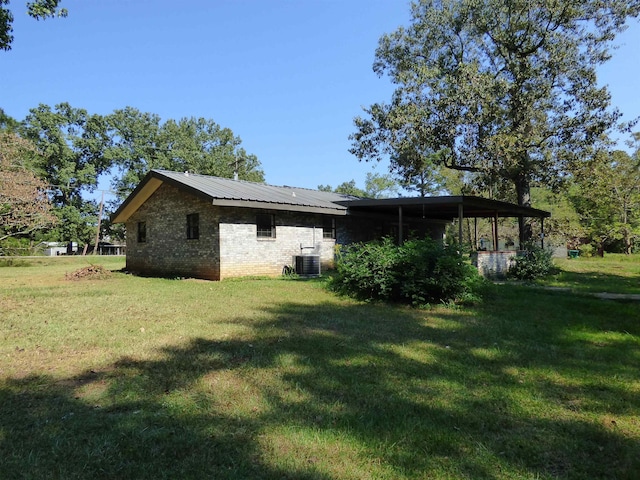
x=95, y=249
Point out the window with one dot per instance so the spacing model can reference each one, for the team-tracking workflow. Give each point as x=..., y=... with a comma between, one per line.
x=142, y=232
x=193, y=226
x=329, y=228
x=266, y=224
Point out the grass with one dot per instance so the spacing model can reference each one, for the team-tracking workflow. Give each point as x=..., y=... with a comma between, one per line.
x=130, y=377
x=615, y=273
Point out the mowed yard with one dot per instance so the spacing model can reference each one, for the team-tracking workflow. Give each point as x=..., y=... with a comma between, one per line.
x=142, y=378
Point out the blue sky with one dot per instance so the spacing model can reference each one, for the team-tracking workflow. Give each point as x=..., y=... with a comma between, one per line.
x=287, y=76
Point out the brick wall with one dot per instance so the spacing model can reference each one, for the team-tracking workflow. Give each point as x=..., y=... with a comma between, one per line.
x=167, y=252
x=227, y=246
x=243, y=253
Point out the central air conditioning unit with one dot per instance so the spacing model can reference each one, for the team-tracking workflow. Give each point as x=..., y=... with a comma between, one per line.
x=308, y=265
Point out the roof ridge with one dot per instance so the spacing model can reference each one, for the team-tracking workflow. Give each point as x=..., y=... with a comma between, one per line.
x=264, y=184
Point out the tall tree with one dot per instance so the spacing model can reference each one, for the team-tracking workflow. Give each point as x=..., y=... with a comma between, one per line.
x=141, y=142
x=24, y=205
x=346, y=188
x=72, y=143
x=421, y=173
x=377, y=185
x=136, y=148
x=608, y=198
x=202, y=146
x=505, y=89
x=38, y=9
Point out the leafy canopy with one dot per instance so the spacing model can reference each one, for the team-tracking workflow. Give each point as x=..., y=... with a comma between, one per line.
x=607, y=196
x=38, y=9
x=504, y=89
x=24, y=205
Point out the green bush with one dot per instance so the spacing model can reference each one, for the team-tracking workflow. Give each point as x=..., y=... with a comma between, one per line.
x=534, y=262
x=418, y=272
x=586, y=250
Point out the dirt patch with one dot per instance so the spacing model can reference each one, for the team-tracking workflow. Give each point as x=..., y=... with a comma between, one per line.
x=91, y=272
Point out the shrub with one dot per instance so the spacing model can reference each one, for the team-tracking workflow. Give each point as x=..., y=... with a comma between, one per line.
x=586, y=250
x=535, y=262
x=417, y=272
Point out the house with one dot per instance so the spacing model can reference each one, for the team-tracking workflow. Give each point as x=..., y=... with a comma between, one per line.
x=52, y=249
x=189, y=225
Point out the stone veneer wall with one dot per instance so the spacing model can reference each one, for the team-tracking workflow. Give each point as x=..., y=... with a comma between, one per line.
x=167, y=252
x=243, y=253
x=228, y=245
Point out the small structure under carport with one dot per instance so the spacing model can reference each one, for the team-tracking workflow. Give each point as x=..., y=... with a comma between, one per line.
x=450, y=208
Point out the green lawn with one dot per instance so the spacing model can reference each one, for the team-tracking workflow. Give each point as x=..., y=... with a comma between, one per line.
x=616, y=273
x=142, y=378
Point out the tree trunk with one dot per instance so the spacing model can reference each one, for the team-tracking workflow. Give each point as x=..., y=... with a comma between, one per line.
x=523, y=190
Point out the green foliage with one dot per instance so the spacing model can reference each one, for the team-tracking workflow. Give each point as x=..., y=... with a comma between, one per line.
x=349, y=188
x=418, y=272
x=7, y=123
x=535, y=262
x=564, y=225
x=587, y=250
x=504, y=90
x=77, y=147
x=376, y=186
x=72, y=143
x=38, y=9
x=41, y=9
x=75, y=224
x=380, y=185
x=607, y=197
x=141, y=142
x=14, y=247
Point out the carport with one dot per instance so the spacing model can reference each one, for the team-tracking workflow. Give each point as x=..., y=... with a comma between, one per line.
x=447, y=208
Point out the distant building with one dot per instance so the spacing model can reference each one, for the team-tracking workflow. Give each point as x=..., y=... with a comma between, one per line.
x=53, y=249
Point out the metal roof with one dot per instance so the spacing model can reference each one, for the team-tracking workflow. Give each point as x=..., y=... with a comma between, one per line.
x=238, y=193
x=444, y=207
x=235, y=193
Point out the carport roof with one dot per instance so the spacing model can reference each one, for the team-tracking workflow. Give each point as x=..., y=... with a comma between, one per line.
x=443, y=208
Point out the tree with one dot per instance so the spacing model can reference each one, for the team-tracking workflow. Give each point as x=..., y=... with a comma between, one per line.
x=38, y=9
x=608, y=198
x=376, y=186
x=72, y=143
x=24, y=205
x=349, y=188
x=504, y=89
x=8, y=123
x=140, y=142
x=564, y=227
x=420, y=173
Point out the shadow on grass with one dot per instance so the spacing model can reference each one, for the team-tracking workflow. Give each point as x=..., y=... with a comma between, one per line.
x=349, y=391
x=595, y=281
